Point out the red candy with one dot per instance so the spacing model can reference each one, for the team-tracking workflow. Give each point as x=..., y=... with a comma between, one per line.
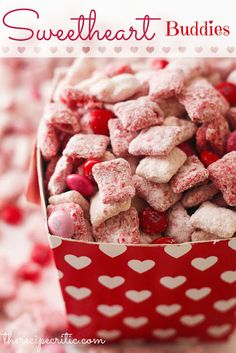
x=228, y=90
x=11, y=214
x=87, y=168
x=81, y=184
x=99, y=121
x=187, y=148
x=231, y=142
x=164, y=240
x=153, y=222
x=159, y=64
x=208, y=157
x=29, y=272
x=41, y=254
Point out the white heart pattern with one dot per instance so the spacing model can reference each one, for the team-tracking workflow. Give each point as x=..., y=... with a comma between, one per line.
x=218, y=331
x=198, y=294
x=111, y=282
x=192, y=320
x=110, y=310
x=203, y=264
x=173, y=282
x=60, y=274
x=232, y=244
x=79, y=321
x=168, y=310
x=177, y=251
x=78, y=293
x=113, y=250
x=164, y=333
x=55, y=242
x=78, y=262
x=141, y=266
x=225, y=305
x=135, y=322
x=138, y=296
x=228, y=276
x=108, y=335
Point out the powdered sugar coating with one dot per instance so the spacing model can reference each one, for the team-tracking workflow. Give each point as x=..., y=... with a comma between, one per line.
x=155, y=141
x=179, y=226
x=86, y=146
x=190, y=174
x=200, y=235
x=231, y=117
x=191, y=68
x=199, y=194
x=161, y=169
x=188, y=128
x=171, y=107
x=217, y=132
x=122, y=229
x=48, y=140
x=114, y=180
x=223, y=175
x=57, y=182
x=213, y=219
x=50, y=169
x=158, y=196
x=120, y=137
x=166, y=83
x=138, y=114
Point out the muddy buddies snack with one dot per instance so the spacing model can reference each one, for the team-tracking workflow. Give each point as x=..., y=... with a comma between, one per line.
x=142, y=153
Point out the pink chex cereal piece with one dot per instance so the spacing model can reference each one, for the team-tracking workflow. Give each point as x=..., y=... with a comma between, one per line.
x=200, y=235
x=171, y=107
x=74, y=98
x=48, y=140
x=122, y=229
x=166, y=83
x=155, y=141
x=201, y=141
x=86, y=146
x=50, y=169
x=101, y=212
x=199, y=194
x=115, y=69
x=202, y=101
x=223, y=175
x=188, y=128
x=189, y=175
x=231, y=117
x=138, y=114
x=114, y=180
x=57, y=182
x=85, y=124
x=161, y=169
x=217, y=132
x=179, y=226
x=133, y=162
x=190, y=67
x=216, y=220
x=77, y=214
x=120, y=137
x=159, y=196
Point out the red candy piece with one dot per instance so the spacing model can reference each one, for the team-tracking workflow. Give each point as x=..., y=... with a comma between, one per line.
x=208, y=157
x=187, y=148
x=81, y=184
x=228, y=90
x=99, y=121
x=11, y=214
x=164, y=240
x=41, y=254
x=231, y=142
x=152, y=221
x=159, y=64
x=29, y=272
x=87, y=168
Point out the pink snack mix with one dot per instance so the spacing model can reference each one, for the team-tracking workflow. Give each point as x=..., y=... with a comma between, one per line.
x=120, y=138
x=179, y=226
x=198, y=195
x=188, y=128
x=48, y=140
x=57, y=182
x=166, y=83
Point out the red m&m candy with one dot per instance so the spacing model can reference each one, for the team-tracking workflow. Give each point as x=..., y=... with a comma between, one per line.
x=99, y=121
x=164, y=240
x=152, y=221
x=228, y=90
x=87, y=168
x=208, y=157
x=11, y=214
x=81, y=184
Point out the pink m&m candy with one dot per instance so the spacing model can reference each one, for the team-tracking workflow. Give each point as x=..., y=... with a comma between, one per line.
x=61, y=224
x=81, y=184
x=231, y=142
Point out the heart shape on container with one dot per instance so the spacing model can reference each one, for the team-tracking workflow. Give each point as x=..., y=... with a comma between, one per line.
x=228, y=276
x=78, y=293
x=168, y=310
x=109, y=335
x=141, y=266
x=177, y=251
x=225, y=305
x=79, y=321
x=55, y=242
x=138, y=296
x=192, y=320
x=198, y=294
x=111, y=282
x=164, y=333
x=78, y=262
x=218, y=331
x=203, y=264
x=113, y=250
x=110, y=310
x=232, y=244
x=173, y=282
x=135, y=322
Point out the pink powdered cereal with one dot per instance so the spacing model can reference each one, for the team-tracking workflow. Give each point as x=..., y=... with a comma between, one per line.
x=123, y=228
x=114, y=180
x=155, y=141
x=120, y=137
x=74, y=98
x=188, y=128
x=171, y=107
x=200, y=235
x=189, y=175
x=159, y=196
x=48, y=140
x=50, y=169
x=217, y=132
x=166, y=83
x=231, y=117
x=199, y=194
x=179, y=226
x=86, y=146
x=202, y=101
x=138, y=114
x=223, y=175
x=191, y=68
x=115, y=69
x=57, y=182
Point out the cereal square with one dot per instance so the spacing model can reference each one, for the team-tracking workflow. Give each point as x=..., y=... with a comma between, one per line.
x=120, y=138
x=86, y=146
x=199, y=194
x=166, y=83
x=188, y=128
x=217, y=132
x=200, y=235
x=179, y=226
x=138, y=114
x=114, y=180
x=223, y=175
x=122, y=229
x=57, y=182
x=155, y=141
x=48, y=140
x=161, y=169
x=158, y=196
x=189, y=175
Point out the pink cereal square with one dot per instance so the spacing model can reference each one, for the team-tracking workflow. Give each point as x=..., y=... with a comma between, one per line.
x=122, y=229
x=51, y=165
x=231, y=117
x=155, y=141
x=188, y=128
x=86, y=146
x=199, y=194
x=202, y=101
x=48, y=140
x=158, y=196
x=114, y=180
x=57, y=182
x=223, y=175
x=200, y=235
x=171, y=107
x=190, y=174
x=217, y=132
x=166, y=83
x=179, y=226
x=120, y=138
x=138, y=114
